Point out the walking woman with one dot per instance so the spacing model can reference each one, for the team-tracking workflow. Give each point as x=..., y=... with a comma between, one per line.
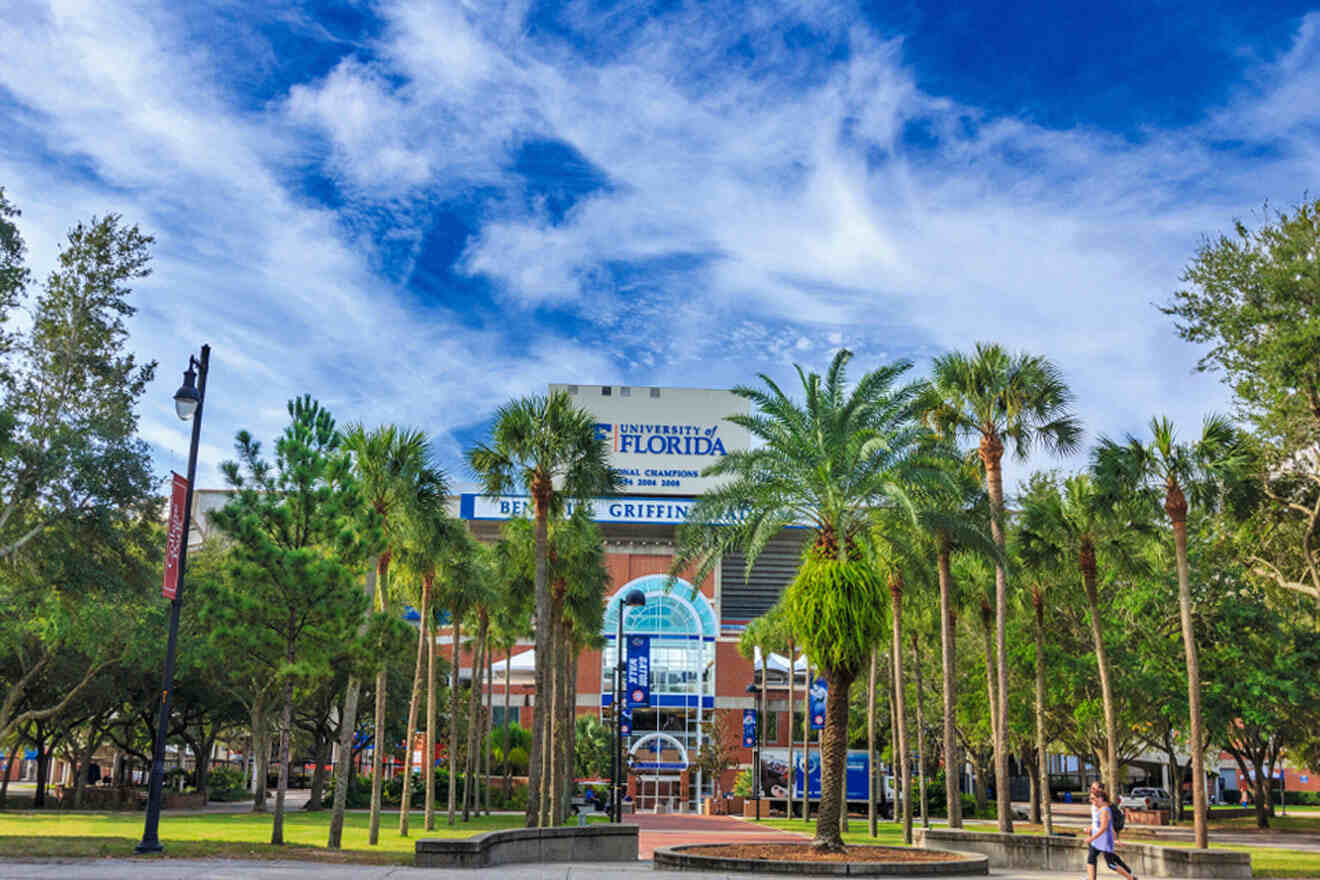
x=1101, y=841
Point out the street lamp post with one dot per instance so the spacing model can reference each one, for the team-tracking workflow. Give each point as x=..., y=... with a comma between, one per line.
x=756, y=753
x=633, y=599
x=188, y=402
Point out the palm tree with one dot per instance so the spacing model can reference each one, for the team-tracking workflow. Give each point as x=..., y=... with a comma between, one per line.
x=393, y=466
x=466, y=585
x=1174, y=469
x=995, y=397
x=827, y=462
x=1074, y=521
x=427, y=532
x=551, y=449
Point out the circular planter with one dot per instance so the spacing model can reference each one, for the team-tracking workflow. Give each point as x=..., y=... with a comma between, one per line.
x=691, y=858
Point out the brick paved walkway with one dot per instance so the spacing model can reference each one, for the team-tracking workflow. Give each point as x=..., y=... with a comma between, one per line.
x=676, y=829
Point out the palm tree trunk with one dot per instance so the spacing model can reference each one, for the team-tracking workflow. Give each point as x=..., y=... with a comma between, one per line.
x=901, y=758
x=432, y=711
x=567, y=673
x=987, y=622
x=454, y=689
x=474, y=723
x=508, y=770
x=1087, y=564
x=286, y=724
x=833, y=761
x=871, y=818
x=487, y=722
x=792, y=735
x=382, y=683
x=551, y=771
x=806, y=745
x=544, y=637
x=992, y=450
x=899, y=793
x=405, y=794
x=1039, y=604
x=921, y=734
x=1176, y=506
x=347, y=732
x=952, y=790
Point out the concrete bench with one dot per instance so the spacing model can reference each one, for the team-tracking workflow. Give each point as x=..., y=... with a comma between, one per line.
x=592, y=843
x=1057, y=853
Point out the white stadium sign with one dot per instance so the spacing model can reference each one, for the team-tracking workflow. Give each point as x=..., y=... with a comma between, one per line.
x=661, y=439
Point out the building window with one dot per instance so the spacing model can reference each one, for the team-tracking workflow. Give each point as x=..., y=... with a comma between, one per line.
x=655, y=392
x=625, y=391
x=605, y=390
x=572, y=389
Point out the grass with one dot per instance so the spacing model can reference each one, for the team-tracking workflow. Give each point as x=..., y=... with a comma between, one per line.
x=1265, y=861
x=225, y=835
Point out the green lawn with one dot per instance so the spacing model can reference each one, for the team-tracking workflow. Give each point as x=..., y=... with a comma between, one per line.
x=224, y=835
x=1265, y=861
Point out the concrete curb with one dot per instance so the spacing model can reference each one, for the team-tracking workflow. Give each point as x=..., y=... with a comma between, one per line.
x=675, y=858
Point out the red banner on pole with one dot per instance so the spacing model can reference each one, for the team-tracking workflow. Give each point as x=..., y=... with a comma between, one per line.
x=174, y=545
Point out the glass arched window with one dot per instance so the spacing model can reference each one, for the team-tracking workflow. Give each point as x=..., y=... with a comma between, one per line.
x=682, y=627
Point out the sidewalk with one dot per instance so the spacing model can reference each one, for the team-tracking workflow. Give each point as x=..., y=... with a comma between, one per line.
x=139, y=869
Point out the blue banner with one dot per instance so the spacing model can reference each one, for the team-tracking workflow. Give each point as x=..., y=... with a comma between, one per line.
x=749, y=728
x=625, y=723
x=819, y=694
x=638, y=686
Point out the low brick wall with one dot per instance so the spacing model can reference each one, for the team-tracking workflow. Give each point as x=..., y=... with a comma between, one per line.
x=593, y=843
x=1054, y=853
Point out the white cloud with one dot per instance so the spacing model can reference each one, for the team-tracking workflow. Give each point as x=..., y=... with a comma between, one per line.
x=808, y=220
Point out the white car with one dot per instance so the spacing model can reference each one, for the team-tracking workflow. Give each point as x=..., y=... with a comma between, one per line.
x=1146, y=799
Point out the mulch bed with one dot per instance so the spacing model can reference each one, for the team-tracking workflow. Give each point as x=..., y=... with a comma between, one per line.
x=804, y=852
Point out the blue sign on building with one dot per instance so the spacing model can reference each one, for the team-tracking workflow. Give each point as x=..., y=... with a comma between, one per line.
x=638, y=686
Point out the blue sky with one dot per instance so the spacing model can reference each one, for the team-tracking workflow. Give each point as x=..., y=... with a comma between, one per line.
x=416, y=210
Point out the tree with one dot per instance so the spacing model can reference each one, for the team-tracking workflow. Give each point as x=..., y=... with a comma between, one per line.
x=1074, y=520
x=1169, y=468
x=994, y=396
x=74, y=476
x=1260, y=686
x=393, y=467
x=1254, y=298
x=551, y=449
x=827, y=462
x=429, y=534
x=296, y=542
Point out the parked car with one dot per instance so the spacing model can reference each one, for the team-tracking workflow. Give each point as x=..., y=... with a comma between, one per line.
x=1146, y=799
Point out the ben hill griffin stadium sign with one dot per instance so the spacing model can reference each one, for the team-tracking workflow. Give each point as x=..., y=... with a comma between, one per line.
x=660, y=439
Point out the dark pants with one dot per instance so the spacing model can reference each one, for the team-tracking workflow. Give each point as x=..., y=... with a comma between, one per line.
x=1112, y=861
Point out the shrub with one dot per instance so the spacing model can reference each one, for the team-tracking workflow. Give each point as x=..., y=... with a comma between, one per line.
x=1302, y=798
x=969, y=807
x=227, y=784
x=518, y=759
x=359, y=792
x=742, y=785
x=1232, y=796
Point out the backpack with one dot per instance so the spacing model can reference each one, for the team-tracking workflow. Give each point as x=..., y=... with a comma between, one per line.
x=1116, y=819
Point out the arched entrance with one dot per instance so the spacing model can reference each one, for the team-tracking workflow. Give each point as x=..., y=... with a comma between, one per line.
x=681, y=625
x=658, y=762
